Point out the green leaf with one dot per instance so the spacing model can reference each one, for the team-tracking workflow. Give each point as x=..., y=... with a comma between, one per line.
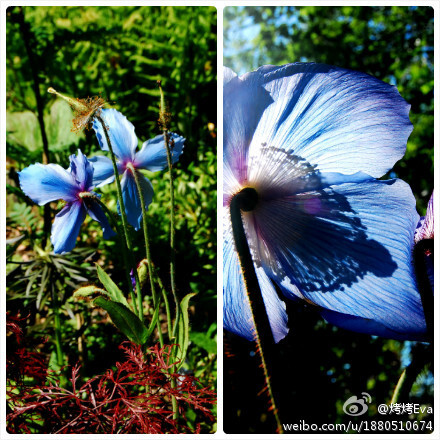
x=113, y=290
x=125, y=320
x=153, y=320
x=23, y=130
x=206, y=340
x=183, y=333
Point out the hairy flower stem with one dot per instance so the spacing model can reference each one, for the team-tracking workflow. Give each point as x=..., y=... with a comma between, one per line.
x=125, y=232
x=164, y=121
x=85, y=195
x=147, y=245
x=263, y=332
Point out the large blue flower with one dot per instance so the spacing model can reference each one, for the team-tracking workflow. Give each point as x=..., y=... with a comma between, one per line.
x=152, y=157
x=311, y=139
x=46, y=183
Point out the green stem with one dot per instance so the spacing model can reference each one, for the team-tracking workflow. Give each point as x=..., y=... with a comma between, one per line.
x=167, y=305
x=246, y=200
x=58, y=339
x=58, y=345
x=133, y=171
x=123, y=215
x=399, y=386
x=164, y=120
x=85, y=195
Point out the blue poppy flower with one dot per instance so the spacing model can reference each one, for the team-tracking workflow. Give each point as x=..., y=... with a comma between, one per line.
x=152, y=156
x=47, y=183
x=312, y=140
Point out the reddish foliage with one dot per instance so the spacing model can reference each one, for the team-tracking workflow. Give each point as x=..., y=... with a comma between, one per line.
x=21, y=361
x=133, y=399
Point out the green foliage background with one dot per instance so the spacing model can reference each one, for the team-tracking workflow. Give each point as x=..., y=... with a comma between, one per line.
x=318, y=366
x=119, y=53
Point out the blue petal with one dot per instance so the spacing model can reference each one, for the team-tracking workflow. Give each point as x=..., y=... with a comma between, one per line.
x=131, y=197
x=46, y=183
x=237, y=316
x=82, y=171
x=244, y=101
x=153, y=154
x=365, y=325
x=96, y=213
x=338, y=120
x=102, y=170
x=347, y=248
x=65, y=228
x=121, y=133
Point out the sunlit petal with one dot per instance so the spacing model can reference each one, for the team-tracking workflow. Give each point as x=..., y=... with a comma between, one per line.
x=65, y=228
x=153, y=154
x=131, y=199
x=121, y=133
x=82, y=171
x=46, y=183
x=102, y=170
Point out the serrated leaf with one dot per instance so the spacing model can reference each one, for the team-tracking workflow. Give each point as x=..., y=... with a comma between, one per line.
x=125, y=320
x=113, y=290
x=183, y=332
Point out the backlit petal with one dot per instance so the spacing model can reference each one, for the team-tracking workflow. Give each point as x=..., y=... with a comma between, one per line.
x=65, y=228
x=336, y=119
x=237, y=313
x=46, y=183
x=244, y=101
x=347, y=248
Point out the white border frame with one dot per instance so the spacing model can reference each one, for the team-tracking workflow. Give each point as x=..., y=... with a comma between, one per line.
x=220, y=5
